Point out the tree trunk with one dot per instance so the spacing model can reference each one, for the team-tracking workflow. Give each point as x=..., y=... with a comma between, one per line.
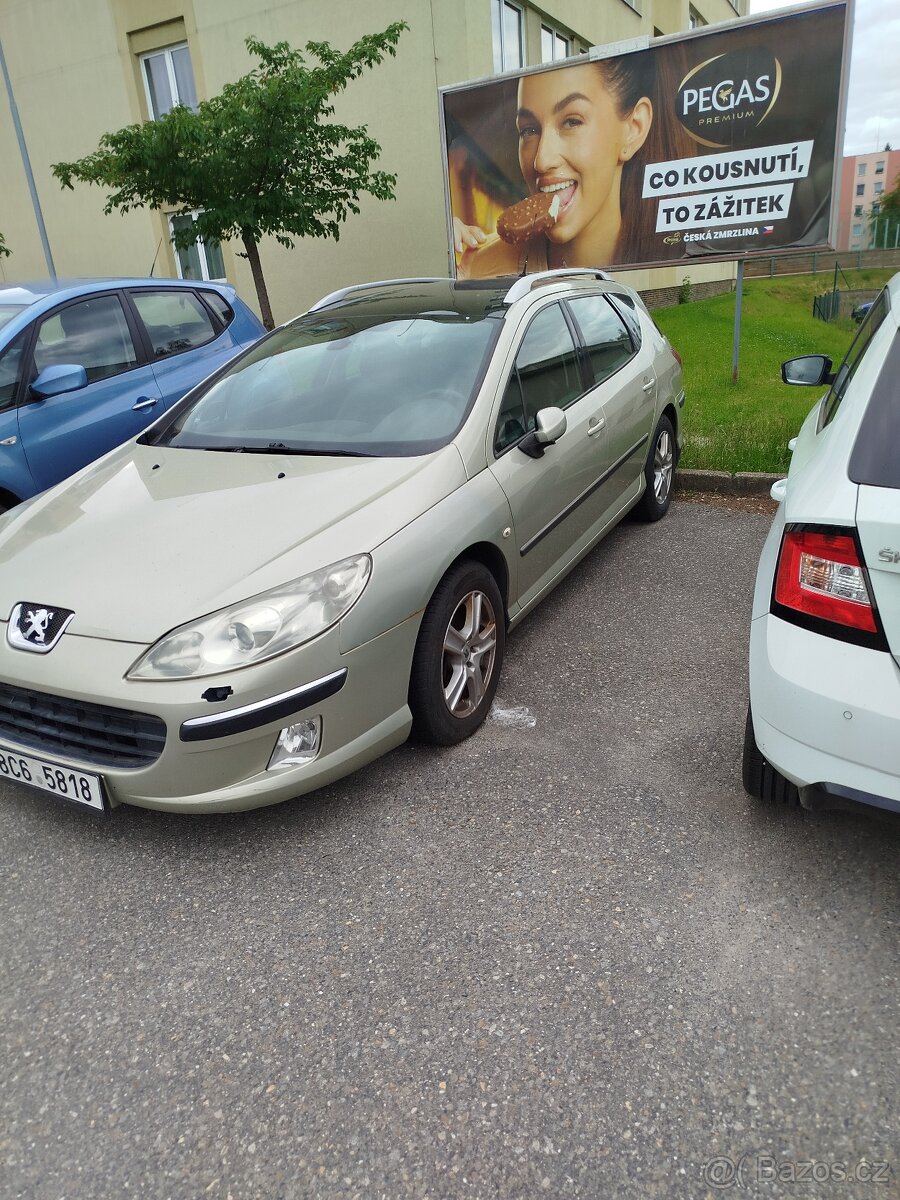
x=262, y=293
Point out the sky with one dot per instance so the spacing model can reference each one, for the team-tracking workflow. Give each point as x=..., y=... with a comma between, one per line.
x=873, y=102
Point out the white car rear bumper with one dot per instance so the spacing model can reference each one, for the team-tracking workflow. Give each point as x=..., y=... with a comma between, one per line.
x=826, y=712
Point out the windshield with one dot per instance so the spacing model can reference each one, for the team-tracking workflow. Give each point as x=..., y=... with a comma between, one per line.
x=8, y=311
x=343, y=385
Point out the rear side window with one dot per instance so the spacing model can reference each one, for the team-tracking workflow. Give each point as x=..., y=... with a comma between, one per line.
x=220, y=306
x=875, y=460
x=627, y=310
x=175, y=321
x=546, y=374
x=854, y=357
x=605, y=337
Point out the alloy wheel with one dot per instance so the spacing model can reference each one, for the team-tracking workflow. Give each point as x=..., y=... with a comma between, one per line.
x=470, y=645
x=663, y=465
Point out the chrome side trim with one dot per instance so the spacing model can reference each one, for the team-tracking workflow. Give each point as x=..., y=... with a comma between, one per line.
x=262, y=712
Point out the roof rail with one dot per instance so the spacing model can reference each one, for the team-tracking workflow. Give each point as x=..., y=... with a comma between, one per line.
x=341, y=293
x=525, y=283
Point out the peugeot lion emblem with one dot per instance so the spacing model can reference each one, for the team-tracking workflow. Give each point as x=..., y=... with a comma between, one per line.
x=37, y=627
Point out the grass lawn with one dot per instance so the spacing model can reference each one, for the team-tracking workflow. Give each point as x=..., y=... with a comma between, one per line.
x=745, y=426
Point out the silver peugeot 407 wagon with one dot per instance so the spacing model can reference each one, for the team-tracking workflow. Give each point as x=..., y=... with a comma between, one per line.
x=323, y=547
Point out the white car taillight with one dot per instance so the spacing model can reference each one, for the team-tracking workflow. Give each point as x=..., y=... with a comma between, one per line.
x=821, y=575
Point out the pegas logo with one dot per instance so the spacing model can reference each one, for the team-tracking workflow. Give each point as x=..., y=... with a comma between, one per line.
x=723, y=100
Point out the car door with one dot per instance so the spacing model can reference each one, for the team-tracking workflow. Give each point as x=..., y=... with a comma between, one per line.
x=624, y=393
x=553, y=498
x=186, y=340
x=63, y=433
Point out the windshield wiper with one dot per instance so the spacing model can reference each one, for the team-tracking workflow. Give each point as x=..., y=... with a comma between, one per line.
x=282, y=448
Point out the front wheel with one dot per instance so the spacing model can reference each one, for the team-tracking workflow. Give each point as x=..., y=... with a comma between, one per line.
x=659, y=473
x=458, y=656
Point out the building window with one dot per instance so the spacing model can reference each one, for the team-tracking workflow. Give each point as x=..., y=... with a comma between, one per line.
x=169, y=80
x=695, y=20
x=507, y=22
x=857, y=211
x=860, y=189
x=878, y=189
x=879, y=168
x=554, y=46
x=861, y=169
x=857, y=231
x=876, y=209
x=200, y=260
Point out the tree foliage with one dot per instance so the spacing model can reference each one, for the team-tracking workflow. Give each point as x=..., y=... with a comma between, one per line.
x=883, y=224
x=4, y=249
x=263, y=158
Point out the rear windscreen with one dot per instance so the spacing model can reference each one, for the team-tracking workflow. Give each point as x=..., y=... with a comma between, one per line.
x=876, y=456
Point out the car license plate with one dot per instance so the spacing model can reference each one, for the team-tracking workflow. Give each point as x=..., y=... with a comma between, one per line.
x=77, y=786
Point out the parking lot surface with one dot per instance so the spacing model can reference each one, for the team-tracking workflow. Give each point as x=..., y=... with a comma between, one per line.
x=569, y=957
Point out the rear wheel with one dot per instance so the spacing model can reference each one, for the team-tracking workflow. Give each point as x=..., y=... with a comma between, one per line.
x=659, y=473
x=760, y=777
x=458, y=655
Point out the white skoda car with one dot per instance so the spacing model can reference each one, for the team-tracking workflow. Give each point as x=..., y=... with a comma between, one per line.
x=824, y=717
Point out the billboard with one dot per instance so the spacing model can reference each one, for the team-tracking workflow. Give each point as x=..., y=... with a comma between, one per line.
x=716, y=144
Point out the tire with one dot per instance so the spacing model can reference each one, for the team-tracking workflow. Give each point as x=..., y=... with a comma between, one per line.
x=456, y=666
x=760, y=777
x=659, y=473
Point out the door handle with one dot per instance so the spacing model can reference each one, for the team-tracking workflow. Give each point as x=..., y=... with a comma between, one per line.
x=596, y=425
x=649, y=385
x=144, y=402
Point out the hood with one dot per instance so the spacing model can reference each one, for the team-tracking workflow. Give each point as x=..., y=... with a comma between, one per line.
x=150, y=537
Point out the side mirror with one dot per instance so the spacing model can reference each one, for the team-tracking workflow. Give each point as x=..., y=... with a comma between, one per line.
x=53, y=381
x=549, y=426
x=812, y=370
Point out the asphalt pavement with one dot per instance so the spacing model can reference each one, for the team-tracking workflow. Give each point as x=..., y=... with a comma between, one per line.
x=568, y=958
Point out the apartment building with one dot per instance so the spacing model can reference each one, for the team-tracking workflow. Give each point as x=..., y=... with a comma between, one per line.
x=78, y=70
x=864, y=179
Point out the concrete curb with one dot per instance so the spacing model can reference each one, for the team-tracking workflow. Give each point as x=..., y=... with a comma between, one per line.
x=741, y=483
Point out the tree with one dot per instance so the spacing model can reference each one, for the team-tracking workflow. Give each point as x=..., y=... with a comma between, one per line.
x=262, y=158
x=4, y=249
x=884, y=218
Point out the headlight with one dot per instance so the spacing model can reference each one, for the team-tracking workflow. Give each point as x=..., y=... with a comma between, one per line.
x=260, y=628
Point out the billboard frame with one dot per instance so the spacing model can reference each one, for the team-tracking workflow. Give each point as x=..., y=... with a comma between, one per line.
x=644, y=42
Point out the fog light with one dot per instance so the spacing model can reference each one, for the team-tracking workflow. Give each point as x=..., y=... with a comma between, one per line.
x=297, y=744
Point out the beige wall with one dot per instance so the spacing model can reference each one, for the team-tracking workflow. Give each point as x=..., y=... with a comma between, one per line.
x=75, y=75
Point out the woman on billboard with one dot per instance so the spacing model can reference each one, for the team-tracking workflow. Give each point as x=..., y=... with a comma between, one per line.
x=584, y=133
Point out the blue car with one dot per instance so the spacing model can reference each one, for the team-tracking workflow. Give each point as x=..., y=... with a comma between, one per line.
x=86, y=365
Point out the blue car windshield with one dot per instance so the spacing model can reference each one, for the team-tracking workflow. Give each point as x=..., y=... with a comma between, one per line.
x=328, y=384
x=8, y=311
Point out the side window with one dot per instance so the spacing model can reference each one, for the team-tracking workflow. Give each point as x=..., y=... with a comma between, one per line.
x=546, y=374
x=627, y=310
x=92, y=333
x=606, y=339
x=854, y=357
x=11, y=370
x=175, y=320
x=220, y=306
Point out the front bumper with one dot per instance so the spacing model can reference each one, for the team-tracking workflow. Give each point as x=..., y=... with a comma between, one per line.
x=826, y=713
x=216, y=754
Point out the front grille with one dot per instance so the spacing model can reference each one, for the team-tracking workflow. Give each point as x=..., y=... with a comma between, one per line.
x=94, y=733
